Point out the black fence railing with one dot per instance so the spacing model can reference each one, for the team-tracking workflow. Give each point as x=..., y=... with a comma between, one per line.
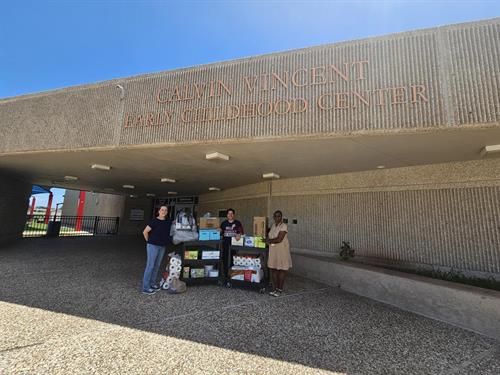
x=69, y=226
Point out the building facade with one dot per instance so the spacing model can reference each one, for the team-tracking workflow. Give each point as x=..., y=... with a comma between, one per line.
x=388, y=143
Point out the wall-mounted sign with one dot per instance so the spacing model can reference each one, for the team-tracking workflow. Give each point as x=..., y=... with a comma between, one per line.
x=136, y=214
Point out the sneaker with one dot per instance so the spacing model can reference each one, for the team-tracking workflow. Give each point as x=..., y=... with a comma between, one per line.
x=274, y=293
x=155, y=287
x=149, y=291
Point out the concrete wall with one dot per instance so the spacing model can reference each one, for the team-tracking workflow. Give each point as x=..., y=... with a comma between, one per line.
x=14, y=202
x=441, y=215
x=131, y=227
x=96, y=204
x=468, y=307
x=456, y=67
x=247, y=201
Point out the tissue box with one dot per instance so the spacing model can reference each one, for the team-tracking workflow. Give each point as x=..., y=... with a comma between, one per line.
x=237, y=243
x=259, y=242
x=259, y=226
x=249, y=241
x=197, y=273
x=191, y=254
x=210, y=254
x=209, y=223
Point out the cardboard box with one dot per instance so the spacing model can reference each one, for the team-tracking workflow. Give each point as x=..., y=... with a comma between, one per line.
x=185, y=273
x=259, y=242
x=238, y=243
x=210, y=254
x=249, y=241
x=209, y=223
x=191, y=254
x=259, y=226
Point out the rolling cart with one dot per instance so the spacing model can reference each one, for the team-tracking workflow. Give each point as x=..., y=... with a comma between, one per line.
x=199, y=263
x=243, y=250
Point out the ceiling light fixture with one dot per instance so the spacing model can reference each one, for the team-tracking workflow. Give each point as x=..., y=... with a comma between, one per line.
x=271, y=175
x=128, y=186
x=172, y=193
x=165, y=179
x=488, y=150
x=216, y=156
x=133, y=196
x=70, y=178
x=150, y=195
x=214, y=188
x=101, y=167
x=380, y=166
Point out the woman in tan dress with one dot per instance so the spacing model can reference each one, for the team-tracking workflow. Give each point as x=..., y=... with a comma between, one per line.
x=280, y=259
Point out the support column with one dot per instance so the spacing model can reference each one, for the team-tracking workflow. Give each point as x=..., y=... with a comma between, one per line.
x=32, y=208
x=49, y=206
x=79, y=212
x=14, y=203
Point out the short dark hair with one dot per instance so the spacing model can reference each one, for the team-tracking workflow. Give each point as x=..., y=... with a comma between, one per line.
x=230, y=209
x=278, y=212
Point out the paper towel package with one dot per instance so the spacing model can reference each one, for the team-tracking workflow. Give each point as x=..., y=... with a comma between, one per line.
x=249, y=241
x=259, y=226
x=239, y=242
x=247, y=275
x=210, y=254
x=191, y=254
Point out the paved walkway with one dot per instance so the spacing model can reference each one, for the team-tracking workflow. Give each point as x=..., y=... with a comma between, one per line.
x=72, y=306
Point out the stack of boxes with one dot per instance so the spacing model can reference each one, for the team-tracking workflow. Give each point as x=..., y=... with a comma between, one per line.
x=207, y=270
x=208, y=229
x=259, y=235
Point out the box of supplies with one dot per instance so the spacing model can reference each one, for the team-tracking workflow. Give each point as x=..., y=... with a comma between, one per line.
x=209, y=223
x=197, y=272
x=185, y=272
x=259, y=242
x=249, y=241
x=259, y=226
x=236, y=242
x=210, y=254
x=214, y=235
x=204, y=235
x=191, y=254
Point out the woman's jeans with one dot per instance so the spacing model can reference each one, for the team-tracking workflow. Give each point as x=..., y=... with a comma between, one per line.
x=155, y=255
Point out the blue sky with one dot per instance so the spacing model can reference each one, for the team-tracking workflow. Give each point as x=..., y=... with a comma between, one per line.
x=48, y=44
x=52, y=44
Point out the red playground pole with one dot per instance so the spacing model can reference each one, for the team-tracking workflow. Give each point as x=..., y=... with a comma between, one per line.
x=79, y=212
x=32, y=208
x=49, y=206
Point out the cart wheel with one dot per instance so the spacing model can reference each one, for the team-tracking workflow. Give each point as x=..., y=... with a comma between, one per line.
x=262, y=290
x=229, y=285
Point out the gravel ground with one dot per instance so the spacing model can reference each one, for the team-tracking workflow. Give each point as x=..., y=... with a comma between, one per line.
x=73, y=306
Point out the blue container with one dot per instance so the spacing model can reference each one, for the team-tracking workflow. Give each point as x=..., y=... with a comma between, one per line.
x=214, y=235
x=204, y=234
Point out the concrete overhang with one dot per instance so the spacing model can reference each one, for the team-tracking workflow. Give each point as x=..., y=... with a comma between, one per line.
x=144, y=166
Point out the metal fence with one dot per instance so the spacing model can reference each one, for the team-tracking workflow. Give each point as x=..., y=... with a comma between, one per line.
x=69, y=226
